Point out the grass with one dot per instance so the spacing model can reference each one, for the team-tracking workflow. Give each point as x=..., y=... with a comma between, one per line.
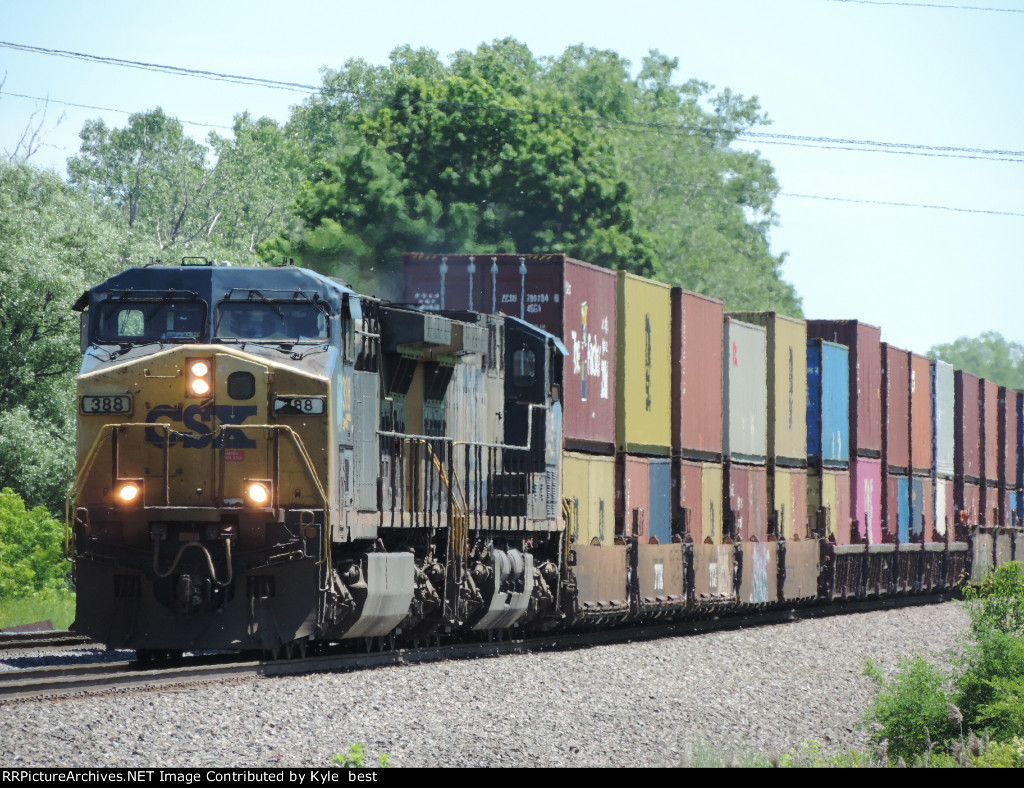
x=58, y=608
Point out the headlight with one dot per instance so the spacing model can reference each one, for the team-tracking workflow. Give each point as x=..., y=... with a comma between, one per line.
x=259, y=494
x=200, y=377
x=128, y=492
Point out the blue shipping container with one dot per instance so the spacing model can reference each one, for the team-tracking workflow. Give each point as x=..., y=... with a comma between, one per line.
x=903, y=509
x=828, y=403
x=660, y=499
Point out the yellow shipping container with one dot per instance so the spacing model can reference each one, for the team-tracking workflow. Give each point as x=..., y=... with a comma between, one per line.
x=588, y=484
x=787, y=383
x=644, y=370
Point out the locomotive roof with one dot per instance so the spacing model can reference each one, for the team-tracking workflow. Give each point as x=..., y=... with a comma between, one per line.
x=212, y=283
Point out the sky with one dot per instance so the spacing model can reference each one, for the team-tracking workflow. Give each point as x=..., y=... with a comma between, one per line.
x=912, y=236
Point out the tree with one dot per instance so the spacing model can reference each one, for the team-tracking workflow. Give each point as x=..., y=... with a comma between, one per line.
x=455, y=165
x=989, y=356
x=31, y=549
x=151, y=172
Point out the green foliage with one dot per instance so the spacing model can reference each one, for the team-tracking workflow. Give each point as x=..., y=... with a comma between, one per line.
x=989, y=356
x=356, y=758
x=31, y=549
x=57, y=607
x=997, y=603
x=811, y=755
x=501, y=151
x=913, y=712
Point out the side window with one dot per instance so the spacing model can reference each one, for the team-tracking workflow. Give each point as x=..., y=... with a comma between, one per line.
x=524, y=367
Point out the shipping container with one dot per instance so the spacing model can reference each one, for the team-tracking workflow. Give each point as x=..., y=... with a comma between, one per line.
x=787, y=385
x=895, y=409
x=896, y=507
x=787, y=502
x=865, y=344
x=660, y=490
x=697, y=324
x=966, y=425
x=588, y=483
x=942, y=419
x=1007, y=438
x=866, y=499
x=632, y=497
x=990, y=432
x=745, y=393
x=967, y=503
x=1020, y=449
x=945, y=511
x=828, y=503
x=921, y=438
x=700, y=500
x=747, y=487
x=922, y=509
x=990, y=504
x=644, y=371
x=573, y=300
x=828, y=403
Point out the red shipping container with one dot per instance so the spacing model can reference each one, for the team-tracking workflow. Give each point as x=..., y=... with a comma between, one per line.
x=920, y=414
x=748, y=501
x=967, y=502
x=700, y=500
x=1008, y=431
x=696, y=375
x=573, y=300
x=966, y=426
x=990, y=432
x=865, y=343
x=895, y=408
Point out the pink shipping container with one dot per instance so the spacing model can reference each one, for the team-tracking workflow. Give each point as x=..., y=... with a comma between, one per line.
x=990, y=432
x=571, y=299
x=747, y=487
x=866, y=498
x=700, y=500
x=920, y=414
x=966, y=425
x=697, y=323
x=632, y=497
x=895, y=408
x=865, y=343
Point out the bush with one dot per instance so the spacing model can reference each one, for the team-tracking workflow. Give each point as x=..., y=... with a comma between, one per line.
x=914, y=712
x=31, y=549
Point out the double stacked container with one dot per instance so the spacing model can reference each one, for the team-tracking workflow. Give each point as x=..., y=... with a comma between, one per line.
x=861, y=485
x=896, y=444
x=644, y=409
x=943, y=405
x=1009, y=430
x=967, y=451
x=828, y=437
x=787, y=421
x=922, y=475
x=697, y=406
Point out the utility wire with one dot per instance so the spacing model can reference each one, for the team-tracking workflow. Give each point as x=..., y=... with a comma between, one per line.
x=592, y=120
x=900, y=204
x=934, y=5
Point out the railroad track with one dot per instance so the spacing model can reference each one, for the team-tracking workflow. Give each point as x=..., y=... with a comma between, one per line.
x=40, y=639
x=56, y=681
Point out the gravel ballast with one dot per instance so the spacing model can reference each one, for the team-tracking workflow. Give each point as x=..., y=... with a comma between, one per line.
x=762, y=690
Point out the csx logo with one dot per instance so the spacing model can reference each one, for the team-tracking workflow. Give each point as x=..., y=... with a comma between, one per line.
x=196, y=421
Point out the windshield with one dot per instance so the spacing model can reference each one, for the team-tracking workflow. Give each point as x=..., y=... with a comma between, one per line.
x=272, y=320
x=148, y=321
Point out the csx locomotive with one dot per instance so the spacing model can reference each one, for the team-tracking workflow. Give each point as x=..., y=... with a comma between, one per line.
x=268, y=460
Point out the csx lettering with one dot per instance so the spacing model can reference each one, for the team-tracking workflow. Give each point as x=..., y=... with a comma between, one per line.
x=196, y=422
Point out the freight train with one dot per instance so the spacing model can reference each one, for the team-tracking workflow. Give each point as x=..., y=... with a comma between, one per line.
x=269, y=461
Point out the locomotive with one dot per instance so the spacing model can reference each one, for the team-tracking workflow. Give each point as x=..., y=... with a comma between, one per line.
x=268, y=460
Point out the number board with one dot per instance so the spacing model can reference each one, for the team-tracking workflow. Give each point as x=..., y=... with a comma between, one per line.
x=298, y=406
x=105, y=403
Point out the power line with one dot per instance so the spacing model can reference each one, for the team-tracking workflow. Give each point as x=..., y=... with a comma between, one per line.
x=592, y=120
x=900, y=204
x=933, y=5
